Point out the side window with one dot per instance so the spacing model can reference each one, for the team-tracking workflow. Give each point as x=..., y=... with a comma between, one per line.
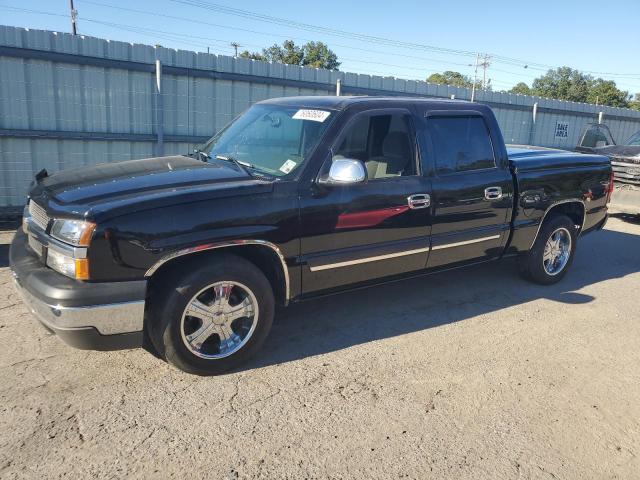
x=460, y=144
x=383, y=142
x=596, y=136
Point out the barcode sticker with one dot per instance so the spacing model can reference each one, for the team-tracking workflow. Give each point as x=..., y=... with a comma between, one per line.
x=288, y=166
x=313, y=115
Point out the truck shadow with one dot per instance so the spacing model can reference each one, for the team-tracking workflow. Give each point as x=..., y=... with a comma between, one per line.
x=635, y=219
x=333, y=323
x=4, y=255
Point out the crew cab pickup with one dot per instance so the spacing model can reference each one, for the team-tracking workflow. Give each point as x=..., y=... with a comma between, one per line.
x=295, y=198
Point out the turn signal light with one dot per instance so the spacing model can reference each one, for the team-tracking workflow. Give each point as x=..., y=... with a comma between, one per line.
x=610, y=187
x=82, y=269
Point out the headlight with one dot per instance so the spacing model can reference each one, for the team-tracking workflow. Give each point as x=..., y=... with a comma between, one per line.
x=75, y=232
x=77, y=268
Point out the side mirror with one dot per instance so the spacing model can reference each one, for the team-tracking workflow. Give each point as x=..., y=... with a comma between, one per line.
x=345, y=171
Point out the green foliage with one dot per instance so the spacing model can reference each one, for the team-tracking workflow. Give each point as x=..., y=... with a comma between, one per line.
x=318, y=55
x=311, y=54
x=565, y=83
x=605, y=92
x=521, y=88
x=253, y=56
x=635, y=103
x=455, y=79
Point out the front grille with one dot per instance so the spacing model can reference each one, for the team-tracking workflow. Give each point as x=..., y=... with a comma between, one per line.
x=626, y=172
x=38, y=215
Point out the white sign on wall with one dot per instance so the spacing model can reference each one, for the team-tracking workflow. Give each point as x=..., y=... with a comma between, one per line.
x=562, y=130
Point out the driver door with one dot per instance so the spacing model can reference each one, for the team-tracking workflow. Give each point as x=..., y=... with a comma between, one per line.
x=364, y=231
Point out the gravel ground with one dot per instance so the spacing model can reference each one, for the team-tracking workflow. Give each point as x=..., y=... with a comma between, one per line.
x=470, y=374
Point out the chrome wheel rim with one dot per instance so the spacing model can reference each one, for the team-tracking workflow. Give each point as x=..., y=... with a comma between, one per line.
x=557, y=251
x=219, y=320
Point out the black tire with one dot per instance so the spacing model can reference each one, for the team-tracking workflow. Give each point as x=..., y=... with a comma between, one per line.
x=179, y=286
x=532, y=264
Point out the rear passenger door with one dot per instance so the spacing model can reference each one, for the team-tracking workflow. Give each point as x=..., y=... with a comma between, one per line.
x=472, y=192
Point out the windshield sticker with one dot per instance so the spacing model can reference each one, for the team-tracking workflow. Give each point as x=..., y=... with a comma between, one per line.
x=313, y=115
x=288, y=166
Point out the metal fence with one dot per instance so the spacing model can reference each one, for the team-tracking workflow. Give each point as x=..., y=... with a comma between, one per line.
x=68, y=101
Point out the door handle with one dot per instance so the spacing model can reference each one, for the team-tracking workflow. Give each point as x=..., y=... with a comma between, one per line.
x=419, y=200
x=493, y=193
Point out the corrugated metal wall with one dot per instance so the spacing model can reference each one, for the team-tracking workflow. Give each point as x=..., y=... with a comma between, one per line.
x=70, y=101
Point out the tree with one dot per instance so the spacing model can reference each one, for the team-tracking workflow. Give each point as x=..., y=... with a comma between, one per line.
x=253, y=56
x=521, y=88
x=563, y=83
x=635, y=103
x=318, y=55
x=455, y=79
x=605, y=92
x=311, y=54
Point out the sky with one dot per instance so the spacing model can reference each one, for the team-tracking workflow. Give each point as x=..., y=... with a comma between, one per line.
x=413, y=38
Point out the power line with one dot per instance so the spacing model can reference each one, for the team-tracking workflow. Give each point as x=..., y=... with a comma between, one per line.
x=363, y=37
x=176, y=37
x=270, y=34
x=498, y=58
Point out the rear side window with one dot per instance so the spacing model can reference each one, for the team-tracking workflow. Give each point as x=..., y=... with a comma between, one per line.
x=460, y=144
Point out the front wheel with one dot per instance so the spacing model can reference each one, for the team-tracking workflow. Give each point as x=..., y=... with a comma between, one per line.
x=213, y=317
x=552, y=253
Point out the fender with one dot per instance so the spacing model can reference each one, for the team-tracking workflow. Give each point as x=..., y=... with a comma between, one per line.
x=551, y=207
x=226, y=244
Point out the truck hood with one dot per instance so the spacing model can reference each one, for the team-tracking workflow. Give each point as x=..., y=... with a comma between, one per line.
x=90, y=191
x=628, y=153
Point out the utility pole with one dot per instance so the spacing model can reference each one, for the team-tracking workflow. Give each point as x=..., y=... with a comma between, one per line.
x=74, y=18
x=485, y=64
x=236, y=45
x=475, y=79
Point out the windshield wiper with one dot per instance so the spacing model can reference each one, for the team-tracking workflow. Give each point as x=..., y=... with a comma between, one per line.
x=200, y=155
x=241, y=165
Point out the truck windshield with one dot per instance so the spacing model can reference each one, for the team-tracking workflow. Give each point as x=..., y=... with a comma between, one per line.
x=634, y=140
x=273, y=139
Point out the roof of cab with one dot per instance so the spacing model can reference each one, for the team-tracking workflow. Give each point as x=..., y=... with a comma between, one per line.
x=339, y=103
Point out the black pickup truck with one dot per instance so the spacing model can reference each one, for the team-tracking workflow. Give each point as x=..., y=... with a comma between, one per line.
x=297, y=197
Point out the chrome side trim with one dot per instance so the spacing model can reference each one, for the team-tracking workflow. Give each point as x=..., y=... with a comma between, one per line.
x=466, y=242
x=231, y=243
x=367, y=259
x=571, y=200
x=108, y=319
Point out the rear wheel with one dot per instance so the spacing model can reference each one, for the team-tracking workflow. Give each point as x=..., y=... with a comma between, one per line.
x=213, y=318
x=552, y=253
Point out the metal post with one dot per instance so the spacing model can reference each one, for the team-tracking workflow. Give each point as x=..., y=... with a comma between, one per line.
x=600, y=117
x=159, y=111
x=533, y=122
x=338, y=87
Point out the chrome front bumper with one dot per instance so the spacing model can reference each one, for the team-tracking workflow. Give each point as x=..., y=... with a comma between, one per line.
x=98, y=327
x=108, y=319
x=94, y=316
